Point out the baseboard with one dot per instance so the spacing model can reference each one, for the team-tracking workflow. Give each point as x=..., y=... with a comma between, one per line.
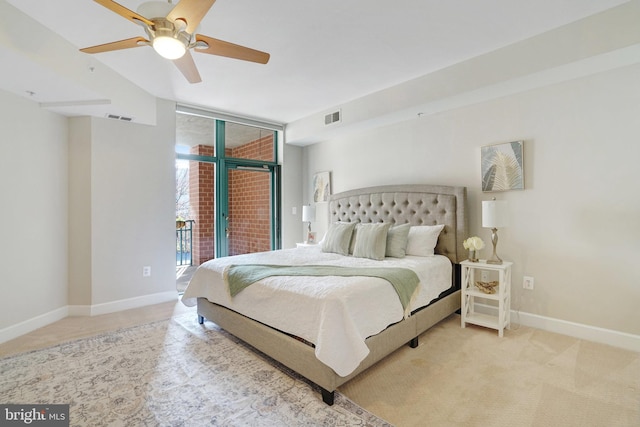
x=19, y=329
x=123, y=304
x=30, y=325
x=581, y=331
x=576, y=330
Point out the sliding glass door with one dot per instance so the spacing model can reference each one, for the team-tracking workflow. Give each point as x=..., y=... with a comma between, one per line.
x=248, y=192
x=247, y=209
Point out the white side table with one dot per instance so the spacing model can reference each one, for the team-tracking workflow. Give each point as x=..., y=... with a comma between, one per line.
x=471, y=272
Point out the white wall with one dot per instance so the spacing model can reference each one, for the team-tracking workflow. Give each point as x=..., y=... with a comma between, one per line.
x=80, y=255
x=574, y=228
x=87, y=202
x=132, y=208
x=292, y=178
x=33, y=213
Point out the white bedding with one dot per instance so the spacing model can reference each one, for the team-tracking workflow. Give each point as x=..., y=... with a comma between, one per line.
x=336, y=314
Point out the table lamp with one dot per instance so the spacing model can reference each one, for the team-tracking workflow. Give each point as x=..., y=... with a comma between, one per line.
x=494, y=216
x=308, y=215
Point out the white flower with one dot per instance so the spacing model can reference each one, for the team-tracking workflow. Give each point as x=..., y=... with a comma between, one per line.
x=473, y=243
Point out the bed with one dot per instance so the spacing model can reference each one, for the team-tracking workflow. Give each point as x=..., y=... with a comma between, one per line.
x=334, y=337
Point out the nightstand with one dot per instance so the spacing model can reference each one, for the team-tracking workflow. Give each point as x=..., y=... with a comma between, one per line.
x=472, y=272
x=305, y=245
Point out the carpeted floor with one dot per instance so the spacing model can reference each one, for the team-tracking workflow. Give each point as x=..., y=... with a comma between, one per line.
x=456, y=377
x=170, y=373
x=470, y=377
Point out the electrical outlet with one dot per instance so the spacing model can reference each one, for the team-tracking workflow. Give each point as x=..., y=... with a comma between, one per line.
x=146, y=271
x=484, y=276
x=527, y=282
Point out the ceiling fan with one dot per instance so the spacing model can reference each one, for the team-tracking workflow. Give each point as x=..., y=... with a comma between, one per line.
x=170, y=32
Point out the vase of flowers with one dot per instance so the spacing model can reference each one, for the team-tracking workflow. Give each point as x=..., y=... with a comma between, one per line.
x=473, y=245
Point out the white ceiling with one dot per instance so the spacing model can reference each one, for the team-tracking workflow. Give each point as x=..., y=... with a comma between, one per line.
x=323, y=53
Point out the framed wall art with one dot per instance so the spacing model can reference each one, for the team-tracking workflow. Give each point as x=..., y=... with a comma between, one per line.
x=321, y=187
x=502, y=166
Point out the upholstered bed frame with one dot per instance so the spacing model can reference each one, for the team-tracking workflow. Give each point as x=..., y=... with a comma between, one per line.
x=415, y=204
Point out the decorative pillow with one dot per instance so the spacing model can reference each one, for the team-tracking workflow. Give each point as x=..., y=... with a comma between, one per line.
x=423, y=239
x=338, y=237
x=371, y=241
x=397, y=239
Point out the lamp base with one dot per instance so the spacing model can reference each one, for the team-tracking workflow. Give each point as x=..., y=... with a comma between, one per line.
x=495, y=259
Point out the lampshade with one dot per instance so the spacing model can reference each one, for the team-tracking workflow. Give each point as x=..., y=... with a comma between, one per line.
x=308, y=213
x=494, y=214
x=169, y=47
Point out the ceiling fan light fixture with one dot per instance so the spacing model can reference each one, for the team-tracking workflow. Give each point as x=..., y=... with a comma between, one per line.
x=169, y=47
x=171, y=31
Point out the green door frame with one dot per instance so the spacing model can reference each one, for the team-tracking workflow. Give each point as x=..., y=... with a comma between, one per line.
x=222, y=200
x=222, y=190
x=223, y=165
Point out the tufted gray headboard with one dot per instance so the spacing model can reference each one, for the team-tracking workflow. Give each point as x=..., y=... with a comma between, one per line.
x=416, y=204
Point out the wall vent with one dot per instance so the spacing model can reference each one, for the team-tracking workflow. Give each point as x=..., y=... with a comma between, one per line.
x=116, y=117
x=333, y=117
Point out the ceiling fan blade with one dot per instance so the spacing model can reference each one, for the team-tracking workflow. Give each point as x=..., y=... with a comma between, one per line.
x=190, y=11
x=123, y=11
x=188, y=68
x=122, y=44
x=230, y=50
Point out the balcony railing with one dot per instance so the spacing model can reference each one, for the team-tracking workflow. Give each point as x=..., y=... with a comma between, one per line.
x=184, y=242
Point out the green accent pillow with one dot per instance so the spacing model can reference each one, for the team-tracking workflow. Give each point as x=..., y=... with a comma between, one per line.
x=371, y=241
x=338, y=238
x=397, y=239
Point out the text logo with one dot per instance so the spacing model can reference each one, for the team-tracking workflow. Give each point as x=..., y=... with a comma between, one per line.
x=34, y=415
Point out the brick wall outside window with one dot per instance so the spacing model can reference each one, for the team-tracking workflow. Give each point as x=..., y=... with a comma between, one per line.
x=250, y=200
x=202, y=200
x=249, y=204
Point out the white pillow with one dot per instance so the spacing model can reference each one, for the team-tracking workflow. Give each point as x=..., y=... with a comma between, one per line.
x=423, y=239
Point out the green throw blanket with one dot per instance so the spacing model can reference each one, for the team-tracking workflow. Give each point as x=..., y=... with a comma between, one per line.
x=403, y=280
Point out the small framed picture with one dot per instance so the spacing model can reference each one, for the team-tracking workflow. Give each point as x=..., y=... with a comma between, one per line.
x=502, y=167
x=311, y=237
x=321, y=187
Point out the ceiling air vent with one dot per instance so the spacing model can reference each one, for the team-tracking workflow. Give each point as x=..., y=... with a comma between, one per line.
x=116, y=117
x=333, y=117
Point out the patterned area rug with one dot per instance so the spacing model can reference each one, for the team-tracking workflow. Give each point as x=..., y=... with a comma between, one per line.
x=171, y=373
